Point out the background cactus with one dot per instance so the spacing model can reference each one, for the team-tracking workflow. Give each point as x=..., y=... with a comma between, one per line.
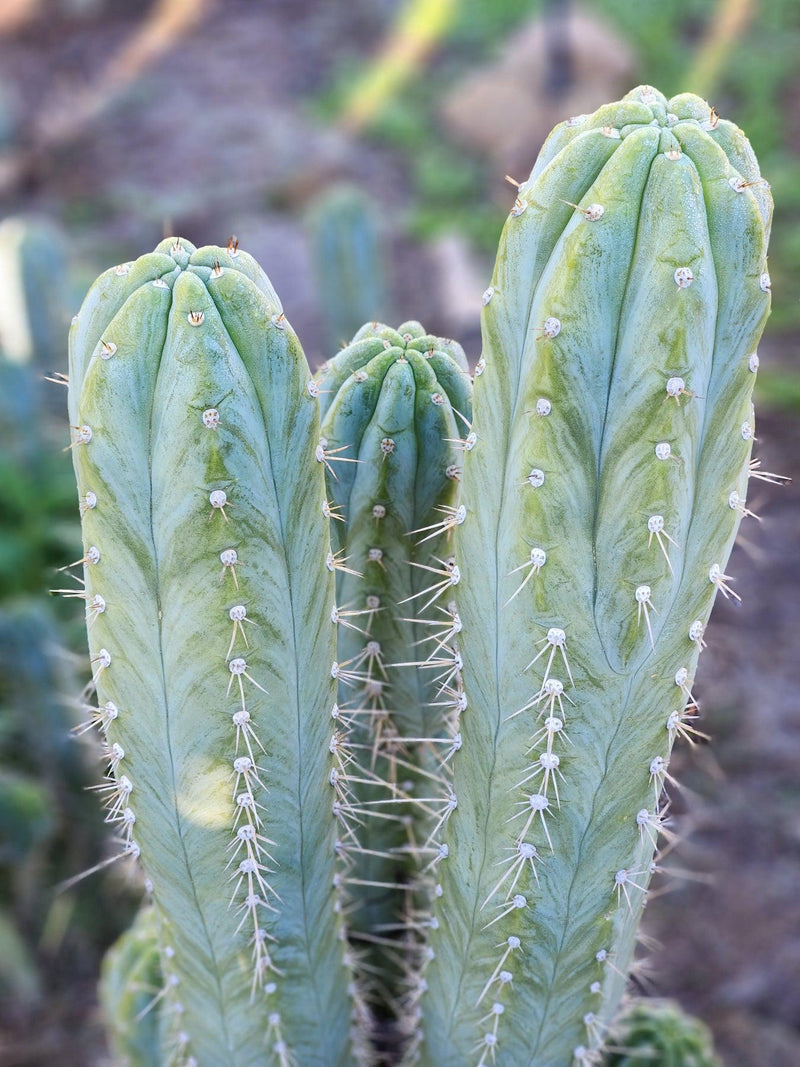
x=208, y=605
x=348, y=258
x=35, y=293
x=396, y=406
x=659, y=1032
x=609, y=475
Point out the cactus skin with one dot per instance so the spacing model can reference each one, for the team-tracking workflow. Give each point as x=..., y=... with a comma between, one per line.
x=398, y=402
x=348, y=260
x=130, y=981
x=186, y=371
x=660, y=1033
x=668, y=177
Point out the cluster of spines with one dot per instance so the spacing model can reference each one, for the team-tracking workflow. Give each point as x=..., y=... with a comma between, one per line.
x=398, y=695
x=547, y=699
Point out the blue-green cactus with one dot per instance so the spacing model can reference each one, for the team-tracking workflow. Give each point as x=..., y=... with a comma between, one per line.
x=348, y=259
x=513, y=663
x=396, y=408
x=613, y=427
x=208, y=602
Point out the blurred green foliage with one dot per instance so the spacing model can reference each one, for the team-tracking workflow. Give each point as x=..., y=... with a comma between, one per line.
x=51, y=829
x=660, y=1034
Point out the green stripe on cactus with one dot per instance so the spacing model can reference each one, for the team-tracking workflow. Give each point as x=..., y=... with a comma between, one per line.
x=205, y=550
x=613, y=432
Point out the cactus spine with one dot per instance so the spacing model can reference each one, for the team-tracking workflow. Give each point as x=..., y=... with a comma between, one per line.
x=208, y=602
x=396, y=407
x=603, y=494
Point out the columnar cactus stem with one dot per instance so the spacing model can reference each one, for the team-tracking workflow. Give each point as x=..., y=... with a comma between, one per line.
x=208, y=598
x=396, y=408
x=603, y=494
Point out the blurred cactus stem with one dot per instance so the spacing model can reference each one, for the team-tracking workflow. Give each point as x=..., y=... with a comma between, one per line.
x=603, y=493
x=33, y=296
x=396, y=409
x=208, y=603
x=348, y=260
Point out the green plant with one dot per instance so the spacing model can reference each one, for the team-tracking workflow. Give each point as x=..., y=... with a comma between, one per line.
x=130, y=984
x=565, y=595
x=614, y=430
x=208, y=585
x=396, y=407
x=348, y=258
x=34, y=294
x=660, y=1033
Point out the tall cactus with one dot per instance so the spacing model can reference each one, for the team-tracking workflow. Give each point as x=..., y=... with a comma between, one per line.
x=208, y=602
x=396, y=407
x=348, y=258
x=608, y=478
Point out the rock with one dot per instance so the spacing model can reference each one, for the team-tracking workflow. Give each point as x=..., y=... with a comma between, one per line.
x=555, y=66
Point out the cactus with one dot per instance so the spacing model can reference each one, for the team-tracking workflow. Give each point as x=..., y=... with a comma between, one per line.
x=348, y=259
x=396, y=405
x=208, y=605
x=660, y=1033
x=130, y=983
x=514, y=660
x=603, y=494
x=33, y=297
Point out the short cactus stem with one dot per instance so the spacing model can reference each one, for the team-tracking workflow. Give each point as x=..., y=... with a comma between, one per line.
x=636, y=325
x=204, y=565
x=396, y=410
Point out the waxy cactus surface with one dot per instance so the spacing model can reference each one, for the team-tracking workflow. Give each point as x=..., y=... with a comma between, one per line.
x=613, y=427
x=208, y=602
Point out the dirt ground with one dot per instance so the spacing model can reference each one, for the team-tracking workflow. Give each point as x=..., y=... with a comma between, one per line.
x=215, y=137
